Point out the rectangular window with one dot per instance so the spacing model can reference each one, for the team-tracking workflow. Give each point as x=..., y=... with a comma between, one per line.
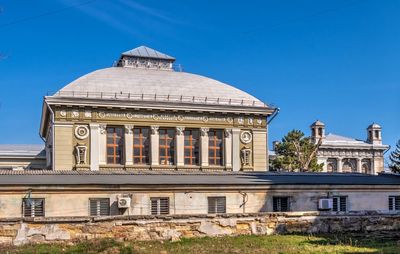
x=99, y=206
x=281, y=204
x=33, y=207
x=216, y=204
x=191, y=147
x=115, y=145
x=339, y=204
x=141, y=145
x=167, y=146
x=215, y=148
x=394, y=203
x=159, y=206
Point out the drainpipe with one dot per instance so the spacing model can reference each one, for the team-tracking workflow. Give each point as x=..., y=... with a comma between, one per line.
x=245, y=199
x=276, y=111
x=52, y=133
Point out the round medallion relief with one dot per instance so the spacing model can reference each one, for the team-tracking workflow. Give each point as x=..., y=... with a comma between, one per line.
x=246, y=137
x=81, y=132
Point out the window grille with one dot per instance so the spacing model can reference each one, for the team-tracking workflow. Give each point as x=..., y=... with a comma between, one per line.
x=281, y=204
x=215, y=148
x=394, y=203
x=99, y=206
x=216, y=204
x=141, y=145
x=191, y=147
x=115, y=145
x=159, y=206
x=33, y=207
x=339, y=204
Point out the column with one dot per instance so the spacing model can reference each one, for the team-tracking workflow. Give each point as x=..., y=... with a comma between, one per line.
x=204, y=146
x=154, y=145
x=128, y=138
x=228, y=148
x=103, y=144
x=94, y=146
x=180, y=149
x=236, y=165
x=339, y=165
x=359, y=165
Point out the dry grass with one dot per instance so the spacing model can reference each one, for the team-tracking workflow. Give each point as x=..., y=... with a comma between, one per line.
x=240, y=244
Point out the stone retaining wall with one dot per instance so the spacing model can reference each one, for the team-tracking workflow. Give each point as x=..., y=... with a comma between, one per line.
x=28, y=230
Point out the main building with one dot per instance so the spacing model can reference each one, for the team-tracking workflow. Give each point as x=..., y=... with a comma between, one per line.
x=145, y=138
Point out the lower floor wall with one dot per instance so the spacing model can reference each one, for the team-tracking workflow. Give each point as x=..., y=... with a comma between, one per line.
x=77, y=204
x=39, y=230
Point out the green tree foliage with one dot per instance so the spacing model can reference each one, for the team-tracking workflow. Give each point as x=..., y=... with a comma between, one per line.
x=395, y=159
x=296, y=153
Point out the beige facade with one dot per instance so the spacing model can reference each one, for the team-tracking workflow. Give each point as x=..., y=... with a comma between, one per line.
x=65, y=201
x=229, y=125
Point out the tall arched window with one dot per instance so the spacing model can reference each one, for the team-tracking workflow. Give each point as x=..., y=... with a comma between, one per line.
x=215, y=148
x=191, y=147
x=141, y=145
x=115, y=145
x=167, y=146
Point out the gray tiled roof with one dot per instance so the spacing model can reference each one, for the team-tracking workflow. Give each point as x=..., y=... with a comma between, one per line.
x=22, y=150
x=147, y=52
x=176, y=178
x=134, y=81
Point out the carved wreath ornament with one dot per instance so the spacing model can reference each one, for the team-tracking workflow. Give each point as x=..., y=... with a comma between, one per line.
x=81, y=132
x=246, y=137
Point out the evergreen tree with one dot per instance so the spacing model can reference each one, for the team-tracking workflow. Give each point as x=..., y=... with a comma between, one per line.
x=296, y=153
x=395, y=159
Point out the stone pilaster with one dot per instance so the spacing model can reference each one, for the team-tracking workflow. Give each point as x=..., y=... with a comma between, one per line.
x=228, y=148
x=154, y=145
x=204, y=147
x=339, y=165
x=103, y=144
x=236, y=165
x=180, y=149
x=359, y=165
x=128, y=138
x=94, y=146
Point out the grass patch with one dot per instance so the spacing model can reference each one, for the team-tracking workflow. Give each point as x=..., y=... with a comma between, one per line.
x=240, y=244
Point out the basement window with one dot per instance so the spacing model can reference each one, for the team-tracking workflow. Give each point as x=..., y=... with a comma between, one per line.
x=33, y=207
x=159, y=206
x=216, y=204
x=394, y=203
x=281, y=204
x=99, y=206
x=339, y=204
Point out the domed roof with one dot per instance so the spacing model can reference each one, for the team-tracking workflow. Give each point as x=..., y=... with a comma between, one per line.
x=135, y=81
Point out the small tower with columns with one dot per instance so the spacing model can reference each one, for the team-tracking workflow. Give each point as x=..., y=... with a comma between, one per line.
x=374, y=134
x=317, y=131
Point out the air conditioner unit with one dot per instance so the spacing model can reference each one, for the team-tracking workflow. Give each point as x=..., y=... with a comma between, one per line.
x=325, y=204
x=124, y=202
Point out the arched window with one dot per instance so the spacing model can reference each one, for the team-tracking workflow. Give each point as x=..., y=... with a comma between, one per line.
x=141, y=145
x=331, y=165
x=115, y=145
x=191, y=147
x=366, y=166
x=167, y=146
x=349, y=165
x=215, y=148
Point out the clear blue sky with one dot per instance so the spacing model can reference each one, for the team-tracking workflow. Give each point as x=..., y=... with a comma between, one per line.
x=337, y=61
